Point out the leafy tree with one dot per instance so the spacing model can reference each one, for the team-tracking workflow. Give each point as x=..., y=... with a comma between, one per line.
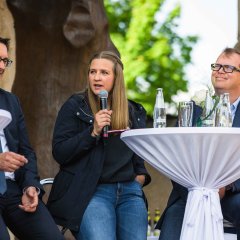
x=154, y=55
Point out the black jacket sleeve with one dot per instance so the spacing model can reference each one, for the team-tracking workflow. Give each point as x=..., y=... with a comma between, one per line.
x=72, y=134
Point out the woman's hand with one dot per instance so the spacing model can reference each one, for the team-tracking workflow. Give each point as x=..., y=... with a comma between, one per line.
x=101, y=119
x=140, y=179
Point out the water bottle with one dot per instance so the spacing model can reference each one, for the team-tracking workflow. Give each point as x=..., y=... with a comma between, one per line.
x=149, y=231
x=156, y=232
x=159, y=114
x=208, y=115
x=223, y=114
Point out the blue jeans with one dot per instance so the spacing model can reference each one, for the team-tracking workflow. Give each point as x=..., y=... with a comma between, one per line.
x=116, y=212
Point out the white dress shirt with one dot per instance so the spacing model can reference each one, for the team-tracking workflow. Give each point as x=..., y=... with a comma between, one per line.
x=3, y=141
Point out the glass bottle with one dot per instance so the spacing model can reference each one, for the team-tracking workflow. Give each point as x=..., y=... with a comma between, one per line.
x=156, y=232
x=159, y=114
x=208, y=115
x=223, y=113
x=149, y=232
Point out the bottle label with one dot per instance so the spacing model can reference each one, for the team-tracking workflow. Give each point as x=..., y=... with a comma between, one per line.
x=159, y=123
x=161, y=120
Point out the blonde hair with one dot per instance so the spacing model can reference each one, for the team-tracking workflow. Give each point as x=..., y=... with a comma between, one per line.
x=117, y=98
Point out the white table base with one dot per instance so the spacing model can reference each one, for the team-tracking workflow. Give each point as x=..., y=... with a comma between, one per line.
x=203, y=216
x=201, y=159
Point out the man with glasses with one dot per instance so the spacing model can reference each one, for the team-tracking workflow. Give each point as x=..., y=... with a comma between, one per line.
x=225, y=79
x=21, y=210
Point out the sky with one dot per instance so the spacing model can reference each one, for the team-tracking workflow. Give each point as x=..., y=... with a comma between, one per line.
x=215, y=22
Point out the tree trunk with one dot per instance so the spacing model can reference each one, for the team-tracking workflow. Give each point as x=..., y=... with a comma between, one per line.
x=54, y=40
x=7, y=31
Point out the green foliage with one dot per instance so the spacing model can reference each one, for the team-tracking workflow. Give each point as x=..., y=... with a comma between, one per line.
x=154, y=55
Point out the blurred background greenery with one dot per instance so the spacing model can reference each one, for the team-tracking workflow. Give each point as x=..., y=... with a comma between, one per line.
x=154, y=55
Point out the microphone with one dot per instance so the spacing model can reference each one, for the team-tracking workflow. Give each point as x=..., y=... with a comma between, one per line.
x=103, y=95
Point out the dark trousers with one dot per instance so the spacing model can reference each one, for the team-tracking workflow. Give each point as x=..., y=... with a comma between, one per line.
x=25, y=226
x=173, y=218
x=231, y=209
x=172, y=222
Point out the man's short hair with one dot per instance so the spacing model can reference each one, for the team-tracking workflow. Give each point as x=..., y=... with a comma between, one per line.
x=229, y=51
x=5, y=41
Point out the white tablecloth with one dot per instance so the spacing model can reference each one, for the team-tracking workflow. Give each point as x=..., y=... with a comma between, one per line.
x=201, y=159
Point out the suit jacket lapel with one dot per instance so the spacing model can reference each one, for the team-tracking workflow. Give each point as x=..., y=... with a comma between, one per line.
x=236, y=121
x=4, y=104
x=8, y=138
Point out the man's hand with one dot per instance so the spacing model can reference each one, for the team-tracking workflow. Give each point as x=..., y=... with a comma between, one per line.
x=29, y=200
x=222, y=192
x=10, y=161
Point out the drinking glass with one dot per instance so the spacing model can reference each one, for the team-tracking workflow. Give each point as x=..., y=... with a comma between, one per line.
x=185, y=114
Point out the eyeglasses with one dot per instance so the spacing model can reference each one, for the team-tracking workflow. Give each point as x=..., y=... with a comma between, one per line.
x=226, y=68
x=7, y=62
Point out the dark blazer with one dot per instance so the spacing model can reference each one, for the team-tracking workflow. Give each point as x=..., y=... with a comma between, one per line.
x=18, y=142
x=81, y=159
x=179, y=191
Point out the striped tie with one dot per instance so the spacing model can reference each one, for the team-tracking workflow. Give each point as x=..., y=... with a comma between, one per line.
x=3, y=185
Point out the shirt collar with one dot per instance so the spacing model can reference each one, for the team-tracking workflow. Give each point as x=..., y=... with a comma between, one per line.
x=235, y=104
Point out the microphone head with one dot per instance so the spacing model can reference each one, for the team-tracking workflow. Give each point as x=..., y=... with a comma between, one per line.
x=103, y=94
